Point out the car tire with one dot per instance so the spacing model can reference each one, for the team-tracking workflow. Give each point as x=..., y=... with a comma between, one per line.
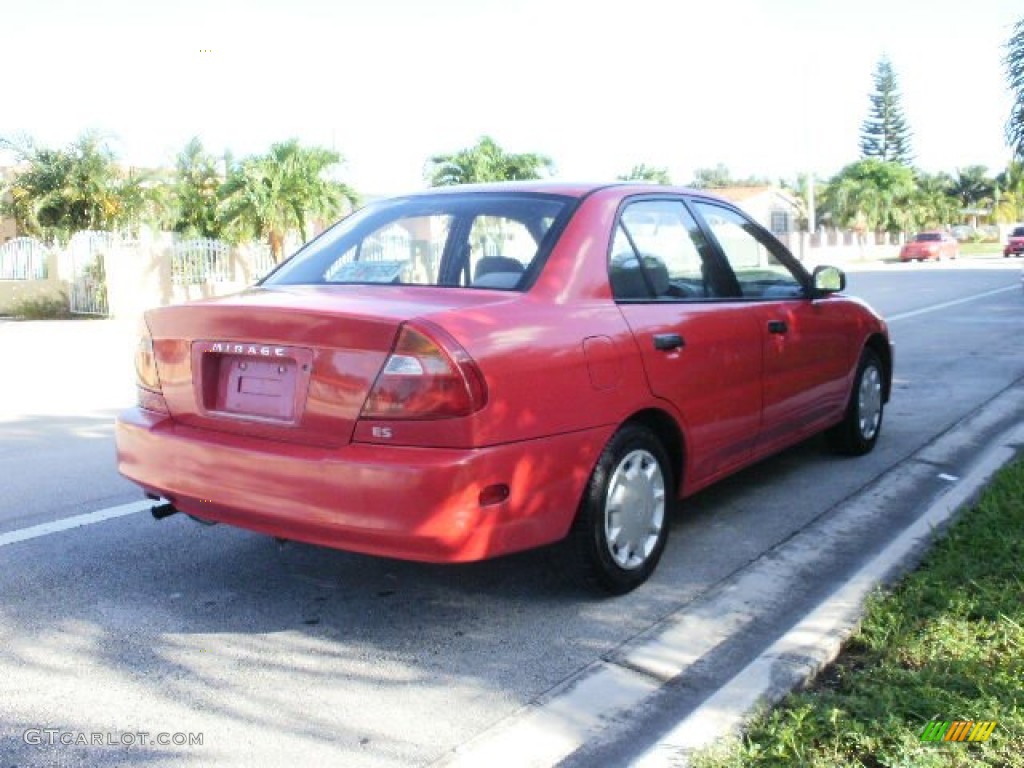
x=858, y=432
x=622, y=523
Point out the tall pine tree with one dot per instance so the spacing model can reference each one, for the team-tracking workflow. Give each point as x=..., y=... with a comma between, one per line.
x=885, y=134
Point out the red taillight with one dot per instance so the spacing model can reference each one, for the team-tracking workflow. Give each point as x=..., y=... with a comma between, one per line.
x=428, y=375
x=147, y=377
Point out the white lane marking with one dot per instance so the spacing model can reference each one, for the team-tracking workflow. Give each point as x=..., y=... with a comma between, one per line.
x=948, y=477
x=946, y=304
x=89, y=518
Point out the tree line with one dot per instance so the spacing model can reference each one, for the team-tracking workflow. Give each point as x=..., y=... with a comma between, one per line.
x=57, y=192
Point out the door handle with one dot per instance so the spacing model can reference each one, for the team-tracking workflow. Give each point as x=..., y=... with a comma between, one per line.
x=668, y=341
x=777, y=326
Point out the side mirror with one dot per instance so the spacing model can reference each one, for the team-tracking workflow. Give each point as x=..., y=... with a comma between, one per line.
x=828, y=279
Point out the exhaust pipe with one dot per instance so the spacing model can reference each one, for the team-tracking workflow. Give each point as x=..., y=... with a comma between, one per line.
x=160, y=511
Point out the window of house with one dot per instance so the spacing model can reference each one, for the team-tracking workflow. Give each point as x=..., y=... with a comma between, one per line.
x=780, y=222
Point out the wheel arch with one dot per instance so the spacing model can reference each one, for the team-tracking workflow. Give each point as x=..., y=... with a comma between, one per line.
x=878, y=344
x=669, y=434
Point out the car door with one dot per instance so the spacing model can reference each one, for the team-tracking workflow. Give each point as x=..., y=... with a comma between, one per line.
x=701, y=348
x=806, y=342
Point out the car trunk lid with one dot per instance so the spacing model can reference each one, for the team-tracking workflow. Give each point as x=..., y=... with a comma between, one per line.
x=294, y=363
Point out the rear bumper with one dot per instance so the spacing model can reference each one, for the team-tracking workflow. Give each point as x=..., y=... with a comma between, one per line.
x=409, y=503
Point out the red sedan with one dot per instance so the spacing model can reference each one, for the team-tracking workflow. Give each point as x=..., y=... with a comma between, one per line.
x=1015, y=243
x=468, y=372
x=930, y=245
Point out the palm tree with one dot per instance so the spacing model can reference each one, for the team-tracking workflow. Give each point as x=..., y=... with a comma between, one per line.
x=1010, y=206
x=871, y=195
x=269, y=195
x=933, y=204
x=195, y=192
x=485, y=161
x=63, y=191
x=1015, y=80
x=973, y=187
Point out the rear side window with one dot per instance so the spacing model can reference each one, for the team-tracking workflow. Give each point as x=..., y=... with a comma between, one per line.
x=659, y=252
x=476, y=240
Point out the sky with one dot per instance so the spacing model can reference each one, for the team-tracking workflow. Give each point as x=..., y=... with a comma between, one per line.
x=771, y=88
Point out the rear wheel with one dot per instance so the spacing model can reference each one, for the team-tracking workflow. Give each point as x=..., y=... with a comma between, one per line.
x=622, y=524
x=858, y=432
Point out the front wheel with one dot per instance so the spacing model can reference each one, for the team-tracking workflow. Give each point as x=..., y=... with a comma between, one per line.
x=621, y=527
x=858, y=432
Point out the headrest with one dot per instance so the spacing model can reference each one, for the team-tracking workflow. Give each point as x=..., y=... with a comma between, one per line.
x=628, y=281
x=489, y=264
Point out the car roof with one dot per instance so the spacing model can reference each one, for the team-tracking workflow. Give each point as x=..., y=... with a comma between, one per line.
x=559, y=187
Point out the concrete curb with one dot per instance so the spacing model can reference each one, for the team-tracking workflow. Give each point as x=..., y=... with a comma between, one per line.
x=815, y=641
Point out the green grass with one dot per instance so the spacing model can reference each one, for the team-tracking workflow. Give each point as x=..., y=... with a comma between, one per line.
x=946, y=643
x=981, y=249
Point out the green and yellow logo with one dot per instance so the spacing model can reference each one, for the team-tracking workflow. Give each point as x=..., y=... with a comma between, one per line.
x=958, y=730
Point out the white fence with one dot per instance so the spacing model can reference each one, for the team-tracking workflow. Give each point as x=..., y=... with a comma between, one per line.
x=202, y=260
x=262, y=260
x=85, y=264
x=101, y=273
x=23, y=258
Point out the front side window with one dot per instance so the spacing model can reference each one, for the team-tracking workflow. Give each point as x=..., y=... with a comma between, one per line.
x=753, y=258
x=477, y=240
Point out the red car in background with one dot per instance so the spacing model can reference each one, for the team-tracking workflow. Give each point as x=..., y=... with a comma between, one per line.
x=930, y=245
x=1015, y=245
x=469, y=372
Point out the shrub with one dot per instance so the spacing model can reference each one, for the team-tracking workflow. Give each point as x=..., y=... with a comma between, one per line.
x=43, y=308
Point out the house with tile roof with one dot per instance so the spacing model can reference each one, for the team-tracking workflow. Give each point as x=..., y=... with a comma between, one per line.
x=773, y=208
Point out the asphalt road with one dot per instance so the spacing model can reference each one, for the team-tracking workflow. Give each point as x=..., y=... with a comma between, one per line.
x=274, y=656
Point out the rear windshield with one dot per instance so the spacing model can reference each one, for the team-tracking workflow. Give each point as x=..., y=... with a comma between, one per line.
x=926, y=237
x=1018, y=232
x=475, y=240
